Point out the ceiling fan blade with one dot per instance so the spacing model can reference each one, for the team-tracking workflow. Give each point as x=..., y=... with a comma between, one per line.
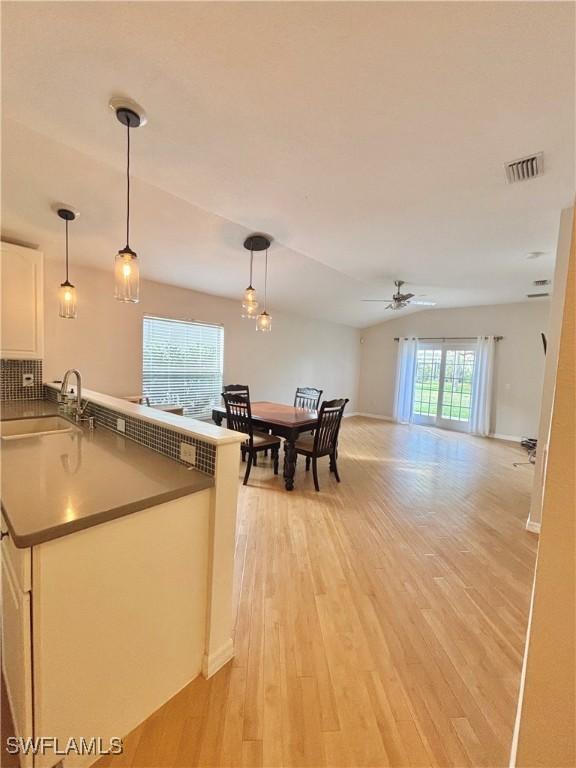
x=407, y=296
x=423, y=303
x=376, y=299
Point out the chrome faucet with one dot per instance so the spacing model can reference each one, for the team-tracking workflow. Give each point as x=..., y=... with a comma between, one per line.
x=66, y=398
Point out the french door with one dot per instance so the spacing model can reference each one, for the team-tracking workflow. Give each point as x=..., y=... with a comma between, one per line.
x=443, y=385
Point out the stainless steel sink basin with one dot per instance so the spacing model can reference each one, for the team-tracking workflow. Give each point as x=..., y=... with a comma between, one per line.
x=46, y=425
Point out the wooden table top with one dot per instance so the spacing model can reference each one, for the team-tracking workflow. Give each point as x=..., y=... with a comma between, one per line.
x=278, y=413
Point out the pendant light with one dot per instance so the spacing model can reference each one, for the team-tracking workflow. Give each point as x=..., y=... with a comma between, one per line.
x=264, y=320
x=126, y=270
x=67, y=299
x=250, y=302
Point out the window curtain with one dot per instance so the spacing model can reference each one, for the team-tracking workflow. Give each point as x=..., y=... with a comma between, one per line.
x=405, y=372
x=481, y=402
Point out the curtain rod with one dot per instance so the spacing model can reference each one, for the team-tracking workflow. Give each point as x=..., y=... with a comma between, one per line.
x=447, y=338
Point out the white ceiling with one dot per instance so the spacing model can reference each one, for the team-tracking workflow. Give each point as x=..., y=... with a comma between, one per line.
x=367, y=138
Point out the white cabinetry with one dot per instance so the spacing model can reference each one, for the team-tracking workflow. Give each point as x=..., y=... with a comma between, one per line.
x=103, y=626
x=22, y=300
x=17, y=652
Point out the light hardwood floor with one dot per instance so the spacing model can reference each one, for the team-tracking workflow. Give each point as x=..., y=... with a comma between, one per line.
x=379, y=622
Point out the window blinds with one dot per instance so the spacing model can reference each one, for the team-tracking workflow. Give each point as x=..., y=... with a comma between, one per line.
x=182, y=364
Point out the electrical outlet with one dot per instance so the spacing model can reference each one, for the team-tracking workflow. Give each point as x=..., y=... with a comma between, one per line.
x=27, y=379
x=120, y=425
x=188, y=453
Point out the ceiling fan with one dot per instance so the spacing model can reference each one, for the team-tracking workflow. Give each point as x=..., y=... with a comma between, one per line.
x=400, y=300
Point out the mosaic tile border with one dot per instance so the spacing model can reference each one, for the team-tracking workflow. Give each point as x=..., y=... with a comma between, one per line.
x=11, y=372
x=153, y=436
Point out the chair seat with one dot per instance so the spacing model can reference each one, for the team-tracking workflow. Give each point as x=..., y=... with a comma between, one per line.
x=305, y=444
x=262, y=440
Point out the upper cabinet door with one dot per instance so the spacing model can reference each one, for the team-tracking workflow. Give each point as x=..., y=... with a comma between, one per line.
x=22, y=293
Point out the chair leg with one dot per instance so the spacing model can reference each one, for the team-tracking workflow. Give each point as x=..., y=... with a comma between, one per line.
x=243, y=451
x=248, y=467
x=315, y=473
x=276, y=457
x=307, y=463
x=255, y=459
x=335, y=467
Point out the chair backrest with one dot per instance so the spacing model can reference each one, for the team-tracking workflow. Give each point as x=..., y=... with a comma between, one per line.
x=236, y=389
x=238, y=413
x=329, y=419
x=307, y=397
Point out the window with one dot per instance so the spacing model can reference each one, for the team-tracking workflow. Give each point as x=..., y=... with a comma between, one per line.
x=182, y=363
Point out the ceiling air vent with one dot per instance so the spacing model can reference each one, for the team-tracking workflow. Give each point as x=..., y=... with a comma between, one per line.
x=536, y=295
x=525, y=168
x=540, y=283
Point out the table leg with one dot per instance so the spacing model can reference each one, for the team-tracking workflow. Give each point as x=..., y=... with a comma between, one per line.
x=290, y=456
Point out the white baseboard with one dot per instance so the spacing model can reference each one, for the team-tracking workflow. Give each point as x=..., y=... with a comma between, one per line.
x=532, y=527
x=381, y=417
x=510, y=438
x=373, y=416
x=212, y=662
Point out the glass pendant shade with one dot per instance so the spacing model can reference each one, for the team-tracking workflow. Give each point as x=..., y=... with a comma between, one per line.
x=250, y=304
x=257, y=242
x=67, y=301
x=126, y=268
x=126, y=277
x=264, y=322
x=67, y=298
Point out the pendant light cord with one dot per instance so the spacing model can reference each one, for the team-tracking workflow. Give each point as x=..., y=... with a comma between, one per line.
x=251, y=263
x=66, y=250
x=266, y=282
x=128, y=186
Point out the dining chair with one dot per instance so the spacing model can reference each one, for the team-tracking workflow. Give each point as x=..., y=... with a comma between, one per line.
x=307, y=397
x=239, y=418
x=325, y=439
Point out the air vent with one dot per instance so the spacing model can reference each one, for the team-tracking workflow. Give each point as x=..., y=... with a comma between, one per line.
x=540, y=283
x=525, y=168
x=536, y=295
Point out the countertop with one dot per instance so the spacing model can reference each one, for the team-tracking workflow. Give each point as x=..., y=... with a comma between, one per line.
x=27, y=409
x=53, y=485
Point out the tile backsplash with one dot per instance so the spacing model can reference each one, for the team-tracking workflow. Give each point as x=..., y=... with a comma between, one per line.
x=154, y=436
x=11, y=385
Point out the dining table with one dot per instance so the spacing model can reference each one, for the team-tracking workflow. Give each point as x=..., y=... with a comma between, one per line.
x=282, y=420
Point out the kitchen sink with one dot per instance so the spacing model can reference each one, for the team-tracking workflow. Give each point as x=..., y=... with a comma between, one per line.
x=13, y=429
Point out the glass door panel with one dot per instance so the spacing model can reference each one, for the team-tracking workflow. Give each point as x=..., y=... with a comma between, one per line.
x=426, y=385
x=456, y=388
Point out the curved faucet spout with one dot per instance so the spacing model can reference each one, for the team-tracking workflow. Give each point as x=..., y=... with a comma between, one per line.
x=78, y=410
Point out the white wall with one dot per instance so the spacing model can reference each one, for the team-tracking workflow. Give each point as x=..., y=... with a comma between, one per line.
x=105, y=342
x=519, y=358
x=549, y=380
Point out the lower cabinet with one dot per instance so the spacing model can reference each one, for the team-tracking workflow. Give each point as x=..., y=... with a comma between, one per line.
x=102, y=627
x=17, y=653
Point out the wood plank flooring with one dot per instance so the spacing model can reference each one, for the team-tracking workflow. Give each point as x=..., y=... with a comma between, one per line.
x=380, y=622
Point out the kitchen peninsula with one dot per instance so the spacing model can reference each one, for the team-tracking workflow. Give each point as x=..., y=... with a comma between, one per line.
x=117, y=561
